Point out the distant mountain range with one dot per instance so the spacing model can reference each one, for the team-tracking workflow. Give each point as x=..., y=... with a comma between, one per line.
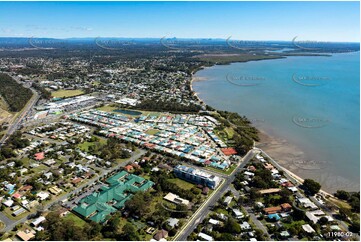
x=171, y=42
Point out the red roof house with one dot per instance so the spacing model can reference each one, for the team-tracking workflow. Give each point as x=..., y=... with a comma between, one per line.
x=39, y=156
x=128, y=168
x=229, y=151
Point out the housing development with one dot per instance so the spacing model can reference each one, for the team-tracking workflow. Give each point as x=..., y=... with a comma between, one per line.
x=105, y=139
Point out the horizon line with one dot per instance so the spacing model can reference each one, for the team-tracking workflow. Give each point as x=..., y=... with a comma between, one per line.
x=190, y=38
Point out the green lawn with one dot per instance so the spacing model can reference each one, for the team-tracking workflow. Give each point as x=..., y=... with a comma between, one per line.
x=221, y=210
x=72, y=217
x=108, y=108
x=85, y=145
x=229, y=131
x=40, y=168
x=227, y=172
x=181, y=183
x=294, y=223
x=67, y=93
x=152, y=131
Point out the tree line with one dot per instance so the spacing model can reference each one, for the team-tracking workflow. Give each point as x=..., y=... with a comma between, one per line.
x=14, y=94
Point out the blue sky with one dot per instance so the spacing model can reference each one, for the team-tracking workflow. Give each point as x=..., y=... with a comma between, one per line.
x=321, y=21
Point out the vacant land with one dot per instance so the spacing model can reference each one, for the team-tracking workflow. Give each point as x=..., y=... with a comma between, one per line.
x=227, y=172
x=152, y=131
x=5, y=116
x=72, y=217
x=181, y=183
x=67, y=93
x=108, y=108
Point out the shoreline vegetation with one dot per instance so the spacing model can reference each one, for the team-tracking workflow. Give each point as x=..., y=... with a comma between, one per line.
x=266, y=140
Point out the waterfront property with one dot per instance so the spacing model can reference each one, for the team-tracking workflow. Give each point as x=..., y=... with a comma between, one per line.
x=121, y=187
x=196, y=176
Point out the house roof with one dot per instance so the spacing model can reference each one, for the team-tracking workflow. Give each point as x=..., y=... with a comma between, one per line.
x=17, y=195
x=161, y=234
x=272, y=210
x=286, y=206
x=128, y=167
x=25, y=236
x=25, y=188
x=308, y=228
x=270, y=190
x=229, y=151
x=39, y=156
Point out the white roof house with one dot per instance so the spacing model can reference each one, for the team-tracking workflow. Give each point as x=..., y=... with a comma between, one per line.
x=308, y=228
x=8, y=203
x=38, y=221
x=176, y=199
x=214, y=221
x=227, y=200
x=245, y=226
x=247, y=173
x=42, y=195
x=173, y=222
x=238, y=214
x=205, y=236
x=307, y=203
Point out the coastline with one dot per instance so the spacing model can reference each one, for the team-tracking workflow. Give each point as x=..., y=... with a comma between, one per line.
x=284, y=153
x=265, y=138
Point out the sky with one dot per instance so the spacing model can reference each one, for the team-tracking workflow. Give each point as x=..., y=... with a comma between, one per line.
x=319, y=21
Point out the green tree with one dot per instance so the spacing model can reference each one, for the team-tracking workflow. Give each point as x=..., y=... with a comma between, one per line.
x=227, y=237
x=129, y=233
x=232, y=226
x=312, y=186
x=322, y=221
x=139, y=204
x=341, y=194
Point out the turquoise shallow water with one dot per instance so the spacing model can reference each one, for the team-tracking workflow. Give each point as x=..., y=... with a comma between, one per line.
x=313, y=102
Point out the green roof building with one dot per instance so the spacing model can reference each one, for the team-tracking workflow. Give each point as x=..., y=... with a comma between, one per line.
x=99, y=205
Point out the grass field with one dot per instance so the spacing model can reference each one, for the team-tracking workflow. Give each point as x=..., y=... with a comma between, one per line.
x=4, y=114
x=67, y=93
x=75, y=219
x=227, y=172
x=85, y=145
x=108, y=108
x=230, y=132
x=340, y=203
x=152, y=131
x=181, y=183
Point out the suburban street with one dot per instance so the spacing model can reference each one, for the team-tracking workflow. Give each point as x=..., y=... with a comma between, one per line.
x=203, y=211
x=256, y=221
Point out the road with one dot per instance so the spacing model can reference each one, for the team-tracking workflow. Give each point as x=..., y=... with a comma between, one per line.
x=256, y=221
x=10, y=224
x=202, y=212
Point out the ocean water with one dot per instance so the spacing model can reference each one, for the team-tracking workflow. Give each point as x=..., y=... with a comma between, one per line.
x=312, y=102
